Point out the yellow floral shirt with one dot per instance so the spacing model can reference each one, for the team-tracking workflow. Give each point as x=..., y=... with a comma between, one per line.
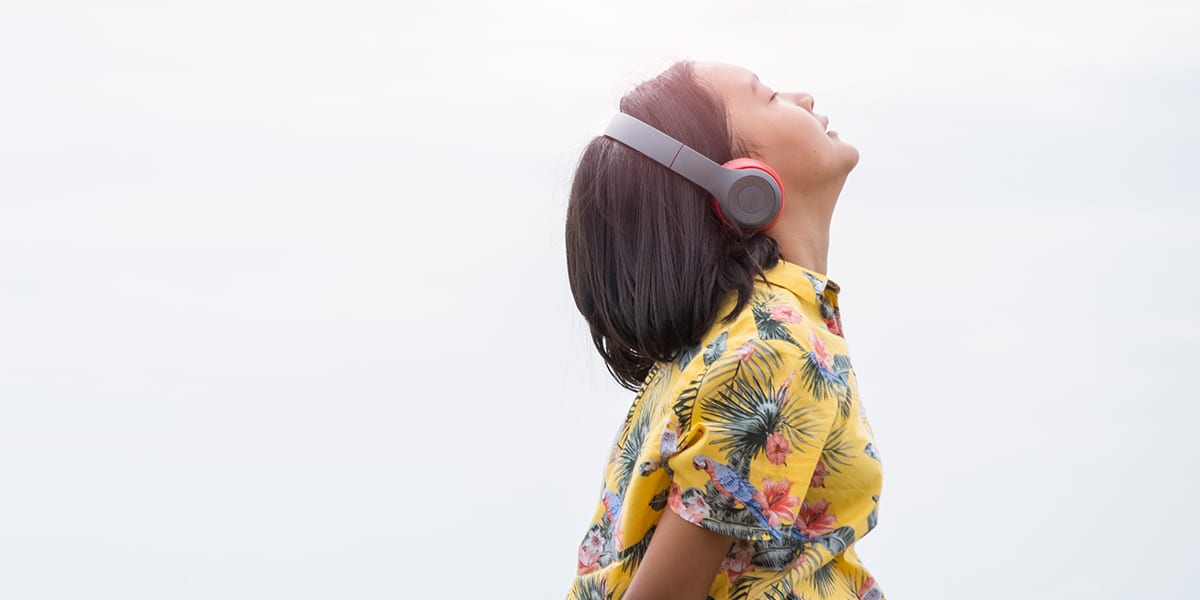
x=756, y=433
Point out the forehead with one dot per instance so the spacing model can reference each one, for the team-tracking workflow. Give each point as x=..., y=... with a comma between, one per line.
x=729, y=79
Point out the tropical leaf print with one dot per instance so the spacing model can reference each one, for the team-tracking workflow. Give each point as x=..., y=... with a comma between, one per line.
x=742, y=587
x=838, y=540
x=808, y=560
x=750, y=410
x=766, y=359
x=818, y=372
x=784, y=590
x=632, y=556
x=826, y=308
x=685, y=404
x=650, y=385
x=824, y=580
x=757, y=358
x=841, y=365
x=838, y=451
x=768, y=322
x=729, y=519
x=873, y=518
x=777, y=555
x=590, y=587
x=631, y=448
x=842, y=370
x=686, y=355
x=659, y=501
x=716, y=348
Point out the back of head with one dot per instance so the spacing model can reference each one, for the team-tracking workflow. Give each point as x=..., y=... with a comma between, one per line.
x=649, y=260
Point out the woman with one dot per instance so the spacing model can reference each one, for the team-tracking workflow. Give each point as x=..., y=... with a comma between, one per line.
x=745, y=467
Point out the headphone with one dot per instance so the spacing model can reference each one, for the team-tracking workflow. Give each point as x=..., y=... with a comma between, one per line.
x=747, y=193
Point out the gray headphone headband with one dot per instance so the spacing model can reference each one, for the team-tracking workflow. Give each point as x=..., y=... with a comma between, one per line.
x=671, y=153
x=748, y=197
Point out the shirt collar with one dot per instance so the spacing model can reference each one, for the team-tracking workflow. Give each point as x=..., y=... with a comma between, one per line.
x=802, y=282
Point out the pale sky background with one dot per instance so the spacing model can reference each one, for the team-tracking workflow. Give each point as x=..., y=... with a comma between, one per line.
x=284, y=309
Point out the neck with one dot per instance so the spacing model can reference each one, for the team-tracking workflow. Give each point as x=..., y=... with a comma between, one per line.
x=805, y=244
x=803, y=237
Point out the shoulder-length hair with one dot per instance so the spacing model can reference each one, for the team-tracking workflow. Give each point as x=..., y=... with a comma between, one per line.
x=649, y=260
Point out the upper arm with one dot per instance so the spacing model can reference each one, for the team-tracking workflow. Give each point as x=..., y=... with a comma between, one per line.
x=680, y=563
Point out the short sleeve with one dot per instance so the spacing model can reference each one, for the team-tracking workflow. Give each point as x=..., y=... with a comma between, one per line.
x=752, y=428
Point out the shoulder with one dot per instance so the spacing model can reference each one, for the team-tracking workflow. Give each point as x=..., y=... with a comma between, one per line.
x=772, y=318
x=777, y=341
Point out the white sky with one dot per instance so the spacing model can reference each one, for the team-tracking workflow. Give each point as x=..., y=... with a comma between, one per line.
x=284, y=311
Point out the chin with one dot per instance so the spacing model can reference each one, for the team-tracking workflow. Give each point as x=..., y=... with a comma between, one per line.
x=851, y=157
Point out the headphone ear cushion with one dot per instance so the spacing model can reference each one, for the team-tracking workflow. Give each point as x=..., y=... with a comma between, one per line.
x=776, y=202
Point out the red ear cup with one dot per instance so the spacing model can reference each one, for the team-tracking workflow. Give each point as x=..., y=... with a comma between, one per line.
x=739, y=164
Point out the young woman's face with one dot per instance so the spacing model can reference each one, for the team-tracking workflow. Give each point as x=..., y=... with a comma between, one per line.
x=781, y=129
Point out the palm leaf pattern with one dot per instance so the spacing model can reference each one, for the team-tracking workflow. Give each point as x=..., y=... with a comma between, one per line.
x=824, y=580
x=632, y=556
x=839, y=449
x=631, y=448
x=821, y=382
x=686, y=355
x=757, y=358
x=685, y=404
x=723, y=526
x=842, y=370
x=590, y=587
x=777, y=555
x=768, y=327
x=838, y=540
x=712, y=351
x=716, y=348
x=750, y=408
x=780, y=590
x=659, y=501
x=742, y=587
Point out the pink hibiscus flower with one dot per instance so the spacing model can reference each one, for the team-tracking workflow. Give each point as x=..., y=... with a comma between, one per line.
x=818, y=476
x=738, y=560
x=866, y=586
x=824, y=358
x=777, y=502
x=589, y=552
x=785, y=313
x=834, y=325
x=777, y=449
x=693, y=508
x=815, y=520
x=745, y=351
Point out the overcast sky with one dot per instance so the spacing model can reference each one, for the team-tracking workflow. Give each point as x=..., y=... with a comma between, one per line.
x=284, y=310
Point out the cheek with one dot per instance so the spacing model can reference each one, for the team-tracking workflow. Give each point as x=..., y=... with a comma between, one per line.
x=803, y=151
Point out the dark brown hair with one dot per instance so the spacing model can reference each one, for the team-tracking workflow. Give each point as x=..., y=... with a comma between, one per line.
x=649, y=260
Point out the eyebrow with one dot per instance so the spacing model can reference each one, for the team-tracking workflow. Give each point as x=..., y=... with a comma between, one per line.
x=754, y=86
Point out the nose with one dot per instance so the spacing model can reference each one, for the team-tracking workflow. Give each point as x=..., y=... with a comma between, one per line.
x=803, y=99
